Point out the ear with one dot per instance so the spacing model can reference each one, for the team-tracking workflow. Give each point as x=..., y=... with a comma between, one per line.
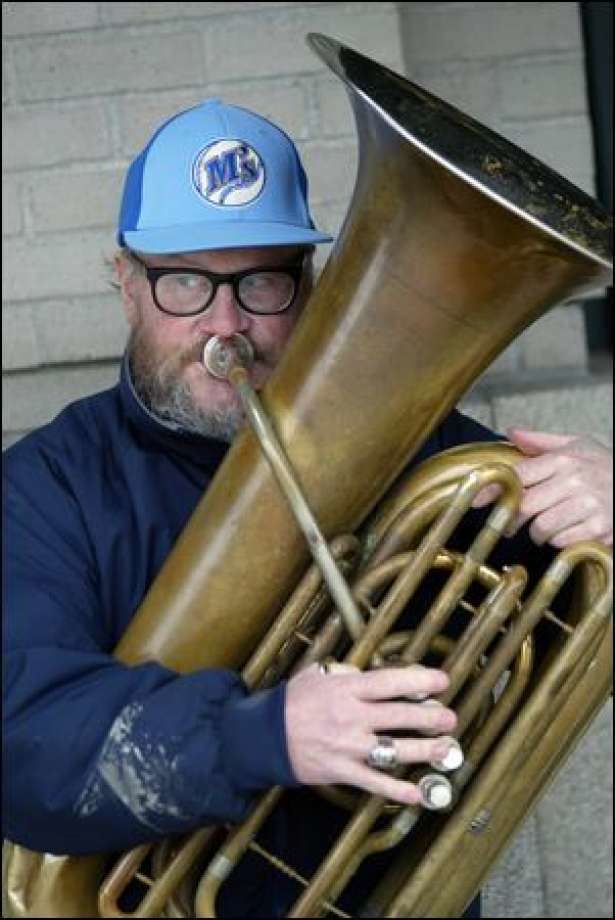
x=127, y=280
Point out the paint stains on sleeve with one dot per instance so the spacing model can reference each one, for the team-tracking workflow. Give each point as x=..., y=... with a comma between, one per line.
x=140, y=771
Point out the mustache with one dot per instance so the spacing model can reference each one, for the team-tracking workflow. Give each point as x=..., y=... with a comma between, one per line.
x=194, y=353
x=157, y=371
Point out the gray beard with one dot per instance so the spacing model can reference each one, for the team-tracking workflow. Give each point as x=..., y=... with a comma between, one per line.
x=176, y=406
x=170, y=400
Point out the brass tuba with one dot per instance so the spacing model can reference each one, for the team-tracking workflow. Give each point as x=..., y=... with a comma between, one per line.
x=455, y=241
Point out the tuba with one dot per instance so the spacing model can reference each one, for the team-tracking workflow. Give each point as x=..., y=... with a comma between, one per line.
x=455, y=241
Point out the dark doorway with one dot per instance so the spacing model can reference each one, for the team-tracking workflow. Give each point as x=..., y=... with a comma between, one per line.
x=597, y=26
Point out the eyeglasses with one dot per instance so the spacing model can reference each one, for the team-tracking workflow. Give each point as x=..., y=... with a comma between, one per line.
x=186, y=292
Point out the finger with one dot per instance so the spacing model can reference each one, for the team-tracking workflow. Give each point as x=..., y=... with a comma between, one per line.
x=537, y=442
x=388, y=683
x=545, y=495
x=378, y=783
x=565, y=514
x=585, y=531
x=440, y=714
x=421, y=750
x=421, y=717
x=530, y=475
x=534, y=470
x=486, y=496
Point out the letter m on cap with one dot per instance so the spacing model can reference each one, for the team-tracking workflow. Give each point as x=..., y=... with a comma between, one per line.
x=221, y=170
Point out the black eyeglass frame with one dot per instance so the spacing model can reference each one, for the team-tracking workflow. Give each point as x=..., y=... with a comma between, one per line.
x=216, y=278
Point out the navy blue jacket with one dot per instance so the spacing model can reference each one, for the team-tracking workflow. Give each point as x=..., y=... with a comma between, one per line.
x=100, y=756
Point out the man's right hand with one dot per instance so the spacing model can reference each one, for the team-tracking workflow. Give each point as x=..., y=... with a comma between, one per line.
x=333, y=721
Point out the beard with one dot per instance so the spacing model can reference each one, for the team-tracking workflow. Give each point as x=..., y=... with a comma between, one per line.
x=159, y=383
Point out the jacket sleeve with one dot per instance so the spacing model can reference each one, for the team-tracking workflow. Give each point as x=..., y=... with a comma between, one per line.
x=99, y=756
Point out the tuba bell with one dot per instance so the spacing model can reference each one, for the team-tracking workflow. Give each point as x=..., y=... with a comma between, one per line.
x=455, y=241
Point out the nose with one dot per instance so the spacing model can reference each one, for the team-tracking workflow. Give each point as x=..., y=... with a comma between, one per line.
x=224, y=316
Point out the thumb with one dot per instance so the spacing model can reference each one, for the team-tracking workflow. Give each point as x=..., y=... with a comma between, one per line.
x=537, y=442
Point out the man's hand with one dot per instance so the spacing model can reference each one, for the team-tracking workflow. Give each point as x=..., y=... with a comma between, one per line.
x=568, y=488
x=333, y=722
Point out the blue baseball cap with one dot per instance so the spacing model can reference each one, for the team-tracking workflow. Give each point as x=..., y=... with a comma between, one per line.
x=216, y=177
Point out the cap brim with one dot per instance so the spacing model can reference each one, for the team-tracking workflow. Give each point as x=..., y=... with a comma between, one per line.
x=227, y=235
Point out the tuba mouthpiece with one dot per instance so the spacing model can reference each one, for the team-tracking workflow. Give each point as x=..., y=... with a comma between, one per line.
x=221, y=354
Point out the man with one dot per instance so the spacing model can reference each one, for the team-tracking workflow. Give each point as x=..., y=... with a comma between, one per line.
x=216, y=239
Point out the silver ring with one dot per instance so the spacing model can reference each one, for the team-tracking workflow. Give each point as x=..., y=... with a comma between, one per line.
x=383, y=755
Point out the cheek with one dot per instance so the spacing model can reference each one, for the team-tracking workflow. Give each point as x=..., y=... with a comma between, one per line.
x=166, y=335
x=160, y=329
x=279, y=330
x=132, y=305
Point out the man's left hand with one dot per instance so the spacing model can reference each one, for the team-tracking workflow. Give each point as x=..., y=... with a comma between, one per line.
x=568, y=488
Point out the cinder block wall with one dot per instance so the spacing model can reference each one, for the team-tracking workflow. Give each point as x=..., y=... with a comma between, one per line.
x=84, y=86
x=519, y=69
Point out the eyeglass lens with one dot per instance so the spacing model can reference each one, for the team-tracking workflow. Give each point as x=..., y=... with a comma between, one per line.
x=263, y=292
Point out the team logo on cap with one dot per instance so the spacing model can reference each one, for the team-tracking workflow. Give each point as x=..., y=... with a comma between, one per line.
x=229, y=172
